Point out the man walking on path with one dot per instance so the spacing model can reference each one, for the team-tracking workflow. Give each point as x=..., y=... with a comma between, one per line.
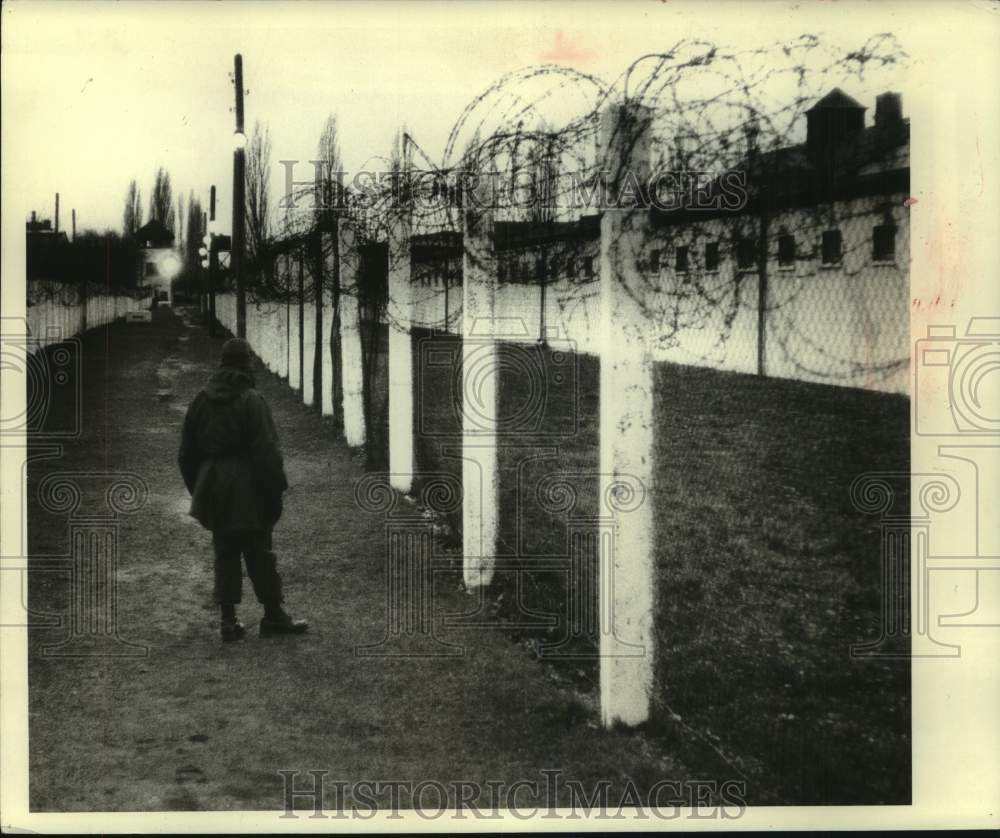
x=232, y=466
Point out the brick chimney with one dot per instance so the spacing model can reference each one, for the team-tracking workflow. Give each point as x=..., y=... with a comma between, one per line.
x=888, y=110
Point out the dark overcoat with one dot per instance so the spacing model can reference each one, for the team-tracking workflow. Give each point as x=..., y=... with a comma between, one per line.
x=230, y=457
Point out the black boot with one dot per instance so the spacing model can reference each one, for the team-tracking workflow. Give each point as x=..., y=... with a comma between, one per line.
x=231, y=627
x=278, y=621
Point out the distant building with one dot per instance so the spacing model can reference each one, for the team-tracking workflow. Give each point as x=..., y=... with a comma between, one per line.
x=158, y=263
x=41, y=232
x=833, y=213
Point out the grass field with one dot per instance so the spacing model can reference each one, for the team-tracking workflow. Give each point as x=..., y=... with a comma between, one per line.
x=767, y=574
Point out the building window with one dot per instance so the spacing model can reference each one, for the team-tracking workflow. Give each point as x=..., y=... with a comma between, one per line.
x=681, y=260
x=590, y=267
x=746, y=255
x=884, y=243
x=833, y=247
x=786, y=250
x=654, y=261
x=712, y=256
x=151, y=269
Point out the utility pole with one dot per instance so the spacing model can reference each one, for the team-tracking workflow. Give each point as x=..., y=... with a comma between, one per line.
x=202, y=274
x=57, y=212
x=74, y=224
x=757, y=171
x=83, y=279
x=239, y=202
x=213, y=263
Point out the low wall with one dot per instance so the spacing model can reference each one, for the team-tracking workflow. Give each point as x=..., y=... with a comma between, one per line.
x=56, y=312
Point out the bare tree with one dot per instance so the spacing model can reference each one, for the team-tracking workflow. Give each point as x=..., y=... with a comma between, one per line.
x=132, y=217
x=328, y=199
x=179, y=232
x=330, y=181
x=161, y=202
x=194, y=233
x=258, y=182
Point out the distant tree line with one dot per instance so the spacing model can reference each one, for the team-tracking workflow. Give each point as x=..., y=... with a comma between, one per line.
x=108, y=259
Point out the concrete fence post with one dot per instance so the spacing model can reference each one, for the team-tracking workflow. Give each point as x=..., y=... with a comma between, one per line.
x=263, y=334
x=352, y=368
x=281, y=344
x=627, y=578
x=267, y=334
x=401, y=453
x=294, y=333
x=250, y=336
x=253, y=330
x=308, y=346
x=480, y=382
x=327, y=257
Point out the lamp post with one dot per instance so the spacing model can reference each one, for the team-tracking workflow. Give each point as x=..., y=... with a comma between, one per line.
x=239, y=202
x=210, y=260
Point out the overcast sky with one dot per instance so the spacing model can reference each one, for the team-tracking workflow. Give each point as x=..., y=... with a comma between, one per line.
x=95, y=94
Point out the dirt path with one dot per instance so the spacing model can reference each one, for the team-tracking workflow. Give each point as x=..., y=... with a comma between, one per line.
x=201, y=725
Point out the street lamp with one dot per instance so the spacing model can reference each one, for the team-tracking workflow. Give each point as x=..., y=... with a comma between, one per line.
x=239, y=196
x=170, y=265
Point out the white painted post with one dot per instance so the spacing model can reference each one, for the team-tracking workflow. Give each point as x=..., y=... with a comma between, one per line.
x=627, y=581
x=294, y=379
x=326, y=401
x=281, y=344
x=352, y=369
x=272, y=332
x=480, y=374
x=266, y=334
x=253, y=310
x=401, y=455
x=308, y=342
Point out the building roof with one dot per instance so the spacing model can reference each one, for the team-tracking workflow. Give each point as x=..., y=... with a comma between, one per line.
x=874, y=161
x=515, y=234
x=155, y=233
x=836, y=99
